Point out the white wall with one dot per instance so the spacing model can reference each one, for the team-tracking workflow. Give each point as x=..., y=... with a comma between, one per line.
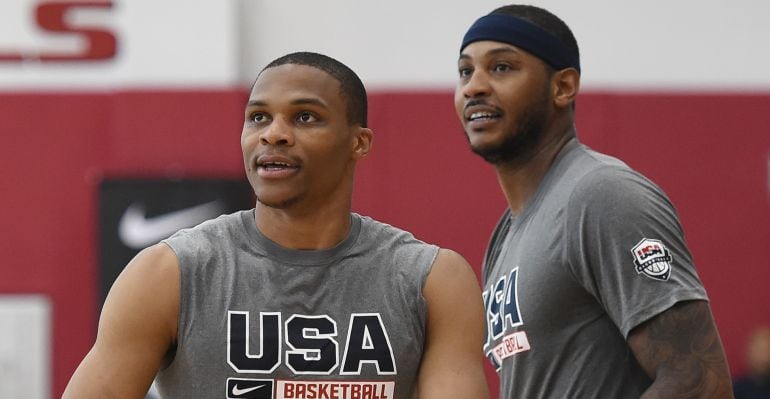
x=159, y=44
x=25, y=346
x=626, y=45
x=649, y=45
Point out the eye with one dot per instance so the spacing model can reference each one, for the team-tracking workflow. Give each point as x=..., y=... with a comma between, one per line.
x=501, y=67
x=306, y=117
x=465, y=72
x=257, y=117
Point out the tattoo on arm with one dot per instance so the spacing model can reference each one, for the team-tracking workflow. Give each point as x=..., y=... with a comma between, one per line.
x=681, y=351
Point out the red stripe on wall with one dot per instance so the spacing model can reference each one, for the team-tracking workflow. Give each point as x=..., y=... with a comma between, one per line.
x=708, y=152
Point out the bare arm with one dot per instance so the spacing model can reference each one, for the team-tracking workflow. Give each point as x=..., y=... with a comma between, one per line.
x=681, y=351
x=452, y=365
x=136, y=328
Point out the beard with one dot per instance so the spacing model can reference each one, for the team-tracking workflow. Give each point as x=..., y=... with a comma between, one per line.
x=520, y=145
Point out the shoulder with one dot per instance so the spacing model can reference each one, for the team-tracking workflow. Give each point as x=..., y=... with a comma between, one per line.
x=580, y=168
x=581, y=178
x=596, y=175
x=612, y=188
x=450, y=279
x=153, y=263
x=214, y=226
x=381, y=229
x=617, y=204
x=406, y=256
x=207, y=235
x=137, y=327
x=606, y=179
x=147, y=290
x=386, y=236
x=450, y=265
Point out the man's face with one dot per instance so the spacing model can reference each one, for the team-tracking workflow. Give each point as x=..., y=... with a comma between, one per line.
x=502, y=99
x=298, y=146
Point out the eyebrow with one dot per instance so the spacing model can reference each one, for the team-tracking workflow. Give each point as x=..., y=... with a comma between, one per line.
x=494, y=51
x=309, y=101
x=298, y=101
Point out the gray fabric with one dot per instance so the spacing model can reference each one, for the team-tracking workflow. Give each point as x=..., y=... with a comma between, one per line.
x=375, y=277
x=578, y=292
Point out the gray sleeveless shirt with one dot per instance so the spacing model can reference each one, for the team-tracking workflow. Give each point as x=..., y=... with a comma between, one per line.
x=258, y=320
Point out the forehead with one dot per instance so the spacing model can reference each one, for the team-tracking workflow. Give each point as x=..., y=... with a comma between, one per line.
x=488, y=48
x=290, y=81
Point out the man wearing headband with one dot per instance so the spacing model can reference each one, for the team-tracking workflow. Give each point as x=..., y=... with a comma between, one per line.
x=589, y=288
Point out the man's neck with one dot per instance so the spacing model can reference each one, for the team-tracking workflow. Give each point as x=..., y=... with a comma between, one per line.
x=322, y=228
x=520, y=180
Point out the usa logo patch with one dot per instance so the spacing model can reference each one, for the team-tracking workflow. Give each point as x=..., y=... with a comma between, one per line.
x=653, y=259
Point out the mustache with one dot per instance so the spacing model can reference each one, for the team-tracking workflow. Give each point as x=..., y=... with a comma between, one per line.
x=479, y=101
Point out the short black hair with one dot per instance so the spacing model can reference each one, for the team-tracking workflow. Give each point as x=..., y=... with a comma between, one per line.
x=351, y=87
x=545, y=20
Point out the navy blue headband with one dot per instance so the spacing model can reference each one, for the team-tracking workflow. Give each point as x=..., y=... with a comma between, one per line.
x=525, y=35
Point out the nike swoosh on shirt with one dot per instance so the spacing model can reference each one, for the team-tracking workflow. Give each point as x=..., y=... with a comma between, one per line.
x=237, y=391
x=138, y=231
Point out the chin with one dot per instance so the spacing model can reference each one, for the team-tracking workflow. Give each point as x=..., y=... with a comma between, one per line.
x=482, y=147
x=277, y=203
x=491, y=156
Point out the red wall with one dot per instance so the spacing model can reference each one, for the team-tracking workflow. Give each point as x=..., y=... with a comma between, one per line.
x=708, y=152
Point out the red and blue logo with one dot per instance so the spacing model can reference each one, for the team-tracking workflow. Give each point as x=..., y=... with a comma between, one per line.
x=652, y=259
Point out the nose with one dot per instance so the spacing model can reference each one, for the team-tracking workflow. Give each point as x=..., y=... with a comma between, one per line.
x=277, y=133
x=477, y=85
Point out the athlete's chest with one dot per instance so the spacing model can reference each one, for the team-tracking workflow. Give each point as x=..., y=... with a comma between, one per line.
x=528, y=294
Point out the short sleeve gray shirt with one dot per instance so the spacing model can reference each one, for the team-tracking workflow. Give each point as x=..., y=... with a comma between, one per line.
x=596, y=252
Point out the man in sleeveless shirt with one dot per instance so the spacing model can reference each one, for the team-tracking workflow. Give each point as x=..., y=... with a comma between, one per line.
x=589, y=289
x=298, y=297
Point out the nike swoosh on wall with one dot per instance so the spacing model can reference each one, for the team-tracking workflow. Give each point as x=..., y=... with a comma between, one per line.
x=136, y=230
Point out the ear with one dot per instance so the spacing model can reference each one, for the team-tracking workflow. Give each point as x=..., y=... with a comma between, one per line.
x=565, y=85
x=362, y=142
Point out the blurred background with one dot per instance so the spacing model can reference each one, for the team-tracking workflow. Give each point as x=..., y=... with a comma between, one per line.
x=120, y=122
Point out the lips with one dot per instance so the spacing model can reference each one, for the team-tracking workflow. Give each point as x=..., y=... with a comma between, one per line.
x=481, y=115
x=476, y=112
x=271, y=166
x=478, y=116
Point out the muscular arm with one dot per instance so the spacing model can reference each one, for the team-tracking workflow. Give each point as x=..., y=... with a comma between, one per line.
x=136, y=328
x=681, y=351
x=452, y=365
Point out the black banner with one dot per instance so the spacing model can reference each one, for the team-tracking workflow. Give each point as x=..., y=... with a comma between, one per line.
x=137, y=213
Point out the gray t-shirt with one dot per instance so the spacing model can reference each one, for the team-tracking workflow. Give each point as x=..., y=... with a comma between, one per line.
x=261, y=321
x=597, y=251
